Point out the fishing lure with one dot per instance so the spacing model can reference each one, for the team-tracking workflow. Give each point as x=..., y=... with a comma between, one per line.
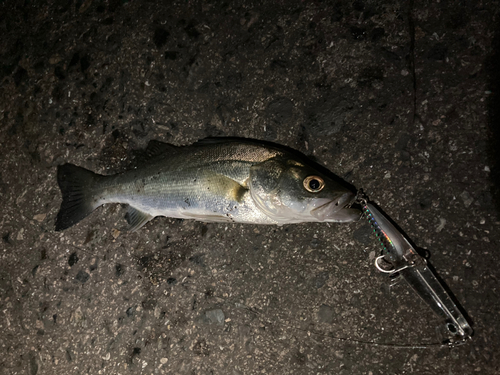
x=407, y=262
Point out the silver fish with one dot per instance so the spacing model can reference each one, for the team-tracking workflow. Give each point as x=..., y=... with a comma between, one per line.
x=213, y=180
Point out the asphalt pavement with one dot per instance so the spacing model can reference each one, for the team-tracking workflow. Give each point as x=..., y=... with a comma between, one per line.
x=398, y=98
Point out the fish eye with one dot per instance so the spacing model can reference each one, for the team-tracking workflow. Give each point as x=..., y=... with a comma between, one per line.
x=314, y=184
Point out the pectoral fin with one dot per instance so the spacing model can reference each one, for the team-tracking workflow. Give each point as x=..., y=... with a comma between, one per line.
x=225, y=187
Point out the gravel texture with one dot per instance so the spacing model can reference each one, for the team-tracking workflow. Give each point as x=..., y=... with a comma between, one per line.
x=398, y=98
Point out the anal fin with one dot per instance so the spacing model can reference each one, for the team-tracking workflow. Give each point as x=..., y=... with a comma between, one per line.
x=136, y=218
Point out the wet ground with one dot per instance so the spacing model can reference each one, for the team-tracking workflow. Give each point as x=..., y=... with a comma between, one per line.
x=398, y=98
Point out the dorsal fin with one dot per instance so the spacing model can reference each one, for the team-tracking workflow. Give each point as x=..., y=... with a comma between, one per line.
x=156, y=148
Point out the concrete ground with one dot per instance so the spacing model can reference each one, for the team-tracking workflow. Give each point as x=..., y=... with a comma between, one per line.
x=398, y=98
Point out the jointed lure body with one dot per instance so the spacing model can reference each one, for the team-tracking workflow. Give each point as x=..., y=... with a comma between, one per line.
x=406, y=261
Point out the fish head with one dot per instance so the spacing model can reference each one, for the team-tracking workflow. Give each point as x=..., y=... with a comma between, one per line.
x=291, y=191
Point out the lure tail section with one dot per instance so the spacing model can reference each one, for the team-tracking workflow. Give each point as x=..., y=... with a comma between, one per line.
x=76, y=184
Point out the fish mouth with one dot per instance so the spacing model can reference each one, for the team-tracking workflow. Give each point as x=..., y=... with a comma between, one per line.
x=336, y=209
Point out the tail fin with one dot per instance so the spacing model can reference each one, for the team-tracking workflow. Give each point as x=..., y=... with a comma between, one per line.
x=76, y=187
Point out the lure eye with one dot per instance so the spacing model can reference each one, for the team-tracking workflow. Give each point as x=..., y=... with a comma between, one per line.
x=314, y=184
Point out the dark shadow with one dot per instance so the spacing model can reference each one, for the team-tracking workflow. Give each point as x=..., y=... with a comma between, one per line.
x=492, y=66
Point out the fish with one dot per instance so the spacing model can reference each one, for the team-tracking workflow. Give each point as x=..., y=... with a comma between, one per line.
x=231, y=180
